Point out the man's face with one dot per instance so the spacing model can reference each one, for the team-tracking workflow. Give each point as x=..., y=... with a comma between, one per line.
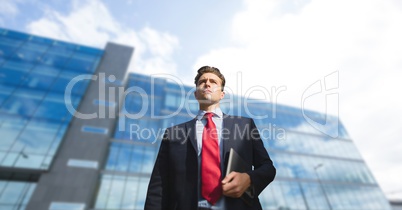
x=209, y=89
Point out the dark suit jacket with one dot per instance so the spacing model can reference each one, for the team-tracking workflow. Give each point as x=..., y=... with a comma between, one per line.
x=174, y=180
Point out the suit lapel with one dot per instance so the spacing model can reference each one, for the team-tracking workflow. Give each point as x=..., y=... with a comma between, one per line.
x=190, y=130
x=227, y=136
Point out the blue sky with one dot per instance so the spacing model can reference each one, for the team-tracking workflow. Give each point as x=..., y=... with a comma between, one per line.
x=353, y=46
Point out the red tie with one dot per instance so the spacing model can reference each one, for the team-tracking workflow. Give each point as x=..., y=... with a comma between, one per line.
x=211, y=188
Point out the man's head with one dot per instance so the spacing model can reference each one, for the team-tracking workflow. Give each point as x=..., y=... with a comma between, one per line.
x=209, y=69
x=209, y=83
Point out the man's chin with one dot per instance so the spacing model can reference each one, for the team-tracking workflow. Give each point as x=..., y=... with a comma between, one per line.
x=205, y=101
x=206, y=97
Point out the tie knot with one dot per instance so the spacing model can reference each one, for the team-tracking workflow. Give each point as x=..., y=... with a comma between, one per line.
x=208, y=115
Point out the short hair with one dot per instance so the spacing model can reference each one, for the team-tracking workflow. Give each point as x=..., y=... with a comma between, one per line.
x=210, y=69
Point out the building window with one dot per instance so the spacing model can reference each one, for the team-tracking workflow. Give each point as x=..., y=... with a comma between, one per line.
x=82, y=163
x=66, y=206
x=93, y=129
x=15, y=195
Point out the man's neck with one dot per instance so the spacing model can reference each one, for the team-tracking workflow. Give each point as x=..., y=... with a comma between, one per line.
x=209, y=108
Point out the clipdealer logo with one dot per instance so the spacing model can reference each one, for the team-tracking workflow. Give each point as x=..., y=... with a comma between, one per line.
x=329, y=88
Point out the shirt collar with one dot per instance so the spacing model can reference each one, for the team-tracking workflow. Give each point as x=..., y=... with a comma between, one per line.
x=217, y=113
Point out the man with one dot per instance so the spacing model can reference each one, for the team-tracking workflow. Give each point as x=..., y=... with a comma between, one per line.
x=189, y=171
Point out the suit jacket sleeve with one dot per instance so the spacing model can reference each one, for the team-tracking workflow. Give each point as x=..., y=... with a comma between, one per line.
x=157, y=195
x=264, y=171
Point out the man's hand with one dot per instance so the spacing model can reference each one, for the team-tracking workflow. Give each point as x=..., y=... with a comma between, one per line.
x=234, y=184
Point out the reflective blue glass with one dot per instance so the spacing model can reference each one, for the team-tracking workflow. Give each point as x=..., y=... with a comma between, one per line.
x=34, y=46
x=82, y=62
x=33, y=80
x=299, y=166
x=131, y=193
x=40, y=40
x=67, y=46
x=116, y=192
x=152, y=86
x=308, y=144
x=52, y=107
x=12, y=73
x=148, y=159
x=103, y=192
x=120, y=192
x=41, y=77
x=306, y=195
x=10, y=129
x=89, y=51
x=316, y=197
x=129, y=157
x=136, y=159
x=134, y=103
x=10, y=42
x=15, y=195
x=142, y=187
x=55, y=60
x=28, y=144
x=123, y=158
x=27, y=55
x=29, y=161
x=8, y=46
x=140, y=95
x=23, y=102
x=36, y=137
x=140, y=130
x=15, y=35
x=112, y=157
x=65, y=78
x=293, y=195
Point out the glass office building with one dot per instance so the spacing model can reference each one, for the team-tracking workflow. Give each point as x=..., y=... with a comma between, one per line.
x=34, y=73
x=78, y=133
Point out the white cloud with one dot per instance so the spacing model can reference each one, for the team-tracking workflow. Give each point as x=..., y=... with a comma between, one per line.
x=274, y=47
x=161, y=46
x=90, y=23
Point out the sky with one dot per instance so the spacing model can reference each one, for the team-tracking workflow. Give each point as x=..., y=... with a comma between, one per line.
x=339, y=57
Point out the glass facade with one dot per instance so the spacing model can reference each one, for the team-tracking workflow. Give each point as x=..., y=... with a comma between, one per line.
x=15, y=195
x=34, y=73
x=314, y=171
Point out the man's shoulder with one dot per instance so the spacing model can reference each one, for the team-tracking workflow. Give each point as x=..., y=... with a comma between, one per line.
x=178, y=132
x=181, y=125
x=236, y=117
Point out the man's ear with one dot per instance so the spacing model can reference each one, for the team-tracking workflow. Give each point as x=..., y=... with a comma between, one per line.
x=222, y=94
